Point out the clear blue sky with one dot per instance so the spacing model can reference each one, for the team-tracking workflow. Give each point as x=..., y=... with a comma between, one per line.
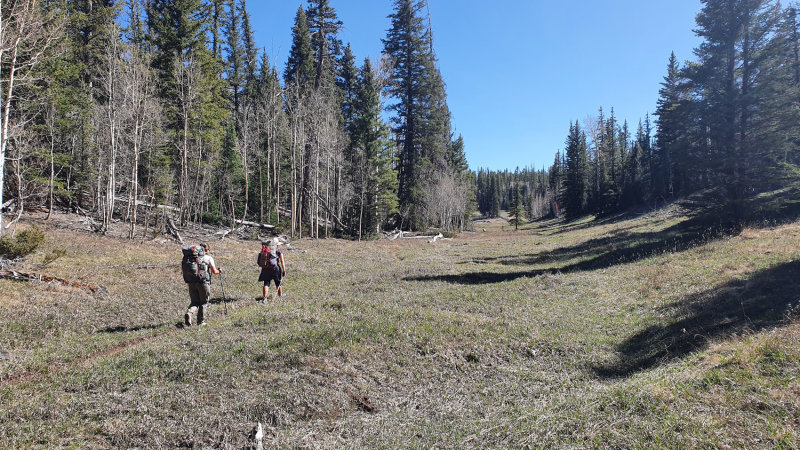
x=518, y=71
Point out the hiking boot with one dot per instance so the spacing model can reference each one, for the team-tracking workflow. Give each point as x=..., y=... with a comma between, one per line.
x=187, y=319
x=202, y=324
x=265, y=300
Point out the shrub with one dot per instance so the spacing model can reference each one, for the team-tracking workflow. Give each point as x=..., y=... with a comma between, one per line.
x=25, y=243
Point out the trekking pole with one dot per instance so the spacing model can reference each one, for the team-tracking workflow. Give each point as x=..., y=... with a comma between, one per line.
x=224, y=299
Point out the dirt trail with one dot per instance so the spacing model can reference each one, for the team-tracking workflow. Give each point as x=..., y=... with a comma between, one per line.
x=30, y=376
x=25, y=376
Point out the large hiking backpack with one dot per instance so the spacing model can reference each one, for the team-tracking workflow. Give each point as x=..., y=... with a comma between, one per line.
x=266, y=259
x=194, y=269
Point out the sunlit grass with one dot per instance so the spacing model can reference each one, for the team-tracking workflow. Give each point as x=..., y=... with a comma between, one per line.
x=629, y=332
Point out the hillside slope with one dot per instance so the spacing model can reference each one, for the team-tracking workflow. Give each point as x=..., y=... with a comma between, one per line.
x=637, y=332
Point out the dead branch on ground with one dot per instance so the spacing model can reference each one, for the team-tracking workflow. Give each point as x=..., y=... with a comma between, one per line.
x=22, y=276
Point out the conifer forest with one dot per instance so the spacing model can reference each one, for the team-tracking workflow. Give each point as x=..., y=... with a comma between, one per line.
x=137, y=110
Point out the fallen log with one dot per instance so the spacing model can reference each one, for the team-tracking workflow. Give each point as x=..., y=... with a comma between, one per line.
x=262, y=226
x=224, y=233
x=436, y=238
x=22, y=276
x=394, y=235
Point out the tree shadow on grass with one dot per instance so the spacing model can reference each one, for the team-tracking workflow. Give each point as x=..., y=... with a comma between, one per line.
x=479, y=277
x=598, y=253
x=623, y=246
x=122, y=329
x=759, y=302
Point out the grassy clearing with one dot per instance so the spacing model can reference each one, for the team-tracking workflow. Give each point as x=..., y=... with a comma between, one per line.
x=646, y=331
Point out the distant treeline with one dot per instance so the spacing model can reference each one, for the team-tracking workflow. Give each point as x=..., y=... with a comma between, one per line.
x=728, y=121
x=112, y=104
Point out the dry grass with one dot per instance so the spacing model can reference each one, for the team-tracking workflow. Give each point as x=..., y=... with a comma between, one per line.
x=635, y=332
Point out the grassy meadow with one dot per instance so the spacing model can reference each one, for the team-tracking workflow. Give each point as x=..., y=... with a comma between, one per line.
x=643, y=331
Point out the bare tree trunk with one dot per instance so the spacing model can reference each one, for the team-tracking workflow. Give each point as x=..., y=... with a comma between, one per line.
x=293, y=185
x=245, y=162
x=187, y=76
x=276, y=190
x=38, y=33
x=5, y=127
x=261, y=189
x=51, y=128
x=134, y=191
x=327, y=195
x=20, y=199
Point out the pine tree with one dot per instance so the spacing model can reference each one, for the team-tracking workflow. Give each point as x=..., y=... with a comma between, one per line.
x=729, y=76
x=556, y=177
x=517, y=211
x=236, y=57
x=609, y=189
x=193, y=93
x=668, y=131
x=575, y=178
x=373, y=178
x=405, y=43
x=250, y=49
x=300, y=66
x=347, y=81
x=781, y=103
x=324, y=26
x=494, y=197
x=635, y=168
x=422, y=121
x=135, y=30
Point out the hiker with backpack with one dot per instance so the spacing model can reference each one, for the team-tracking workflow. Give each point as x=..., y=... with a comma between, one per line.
x=197, y=267
x=273, y=268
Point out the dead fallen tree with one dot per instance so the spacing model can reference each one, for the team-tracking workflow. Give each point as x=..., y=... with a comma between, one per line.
x=394, y=235
x=436, y=238
x=262, y=226
x=22, y=276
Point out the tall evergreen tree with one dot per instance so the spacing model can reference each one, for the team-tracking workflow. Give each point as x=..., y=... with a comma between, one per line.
x=728, y=75
x=575, y=178
x=422, y=119
x=236, y=57
x=347, y=83
x=250, y=49
x=300, y=66
x=668, y=155
x=405, y=43
x=556, y=177
x=635, y=168
x=517, y=211
x=192, y=90
x=494, y=208
x=373, y=176
x=324, y=26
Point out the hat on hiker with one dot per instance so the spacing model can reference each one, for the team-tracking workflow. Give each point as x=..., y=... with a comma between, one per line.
x=273, y=244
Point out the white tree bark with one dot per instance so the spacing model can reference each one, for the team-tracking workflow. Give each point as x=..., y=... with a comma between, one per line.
x=23, y=40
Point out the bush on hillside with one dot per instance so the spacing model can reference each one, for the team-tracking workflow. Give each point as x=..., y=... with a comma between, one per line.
x=25, y=243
